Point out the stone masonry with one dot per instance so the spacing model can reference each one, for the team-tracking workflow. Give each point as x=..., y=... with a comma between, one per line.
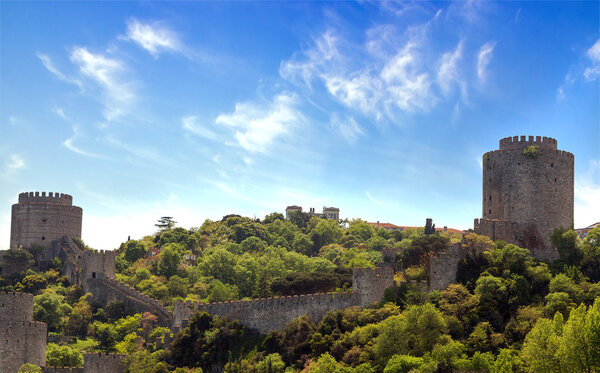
x=267, y=314
x=22, y=340
x=40, y=219
x=525, y=197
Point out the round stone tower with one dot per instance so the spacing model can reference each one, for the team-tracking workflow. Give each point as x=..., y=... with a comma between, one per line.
x=41, y=219
x=527, y=193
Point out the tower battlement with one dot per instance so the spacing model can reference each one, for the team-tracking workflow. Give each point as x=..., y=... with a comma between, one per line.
x=36, y=197
x=16, y=306
x=520, y=142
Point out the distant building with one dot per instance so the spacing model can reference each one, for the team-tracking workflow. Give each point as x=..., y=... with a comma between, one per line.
x=584, y=231
x=332, y=213
x=392, y=227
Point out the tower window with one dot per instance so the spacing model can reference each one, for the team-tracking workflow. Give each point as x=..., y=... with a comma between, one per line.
x=490, y=211
x=43, y=220
x=43, y=238
x=555, y=180
x=551, y=164
x=490, y=197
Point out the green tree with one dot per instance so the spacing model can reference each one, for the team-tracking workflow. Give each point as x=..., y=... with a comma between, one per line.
x=540, y=351
x=568, y=244
x=403, y=364
x=133, y=250
x=170, y=259
x=165, y=223
x=62, y=356
x=29, y=368
x=18, y=258
x=50, y=307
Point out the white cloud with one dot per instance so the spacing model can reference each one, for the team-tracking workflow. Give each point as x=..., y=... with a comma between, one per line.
x=347, y=127
x=587, y=196
x=60, y=112
x=108, y=73
x=49, y=65
x=560, y=93
x=378, y=79
x=484, y=57
x=154, y=37
x=593, y=72
x=14, y=163
x=448, y=71
x=69, y=144
x=257, y=126
x=375, y=201
x=191, y=124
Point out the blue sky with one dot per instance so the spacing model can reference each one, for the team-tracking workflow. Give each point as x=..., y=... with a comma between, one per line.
x=200, y=109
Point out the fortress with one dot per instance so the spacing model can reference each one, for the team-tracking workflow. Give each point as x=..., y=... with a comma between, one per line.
x=527, y=193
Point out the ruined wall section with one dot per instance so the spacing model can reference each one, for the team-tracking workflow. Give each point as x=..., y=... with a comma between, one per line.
x=526, y=197
x=443, y=267
x=95, y=263
x=43, y=218
x=63, y=370
x=268, y=314
x=104, y=363
x=21, y=339
x=105, y=289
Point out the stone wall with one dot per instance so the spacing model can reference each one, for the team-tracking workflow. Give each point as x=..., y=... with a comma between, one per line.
x=443, y=268
x=21, y=339
x=106, y=289
x=94, y=263
x=63, y=370
x=41, y=219
x=267, y=314
x=104, y=363
x=526, y=197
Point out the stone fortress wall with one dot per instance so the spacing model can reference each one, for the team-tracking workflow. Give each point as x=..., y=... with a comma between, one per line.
x=267, y=314
x=22, y=340
x=526, y=197
x=43, y=218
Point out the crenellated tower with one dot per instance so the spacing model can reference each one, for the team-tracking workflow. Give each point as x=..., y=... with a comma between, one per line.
x=43, y=219
x=527, y=192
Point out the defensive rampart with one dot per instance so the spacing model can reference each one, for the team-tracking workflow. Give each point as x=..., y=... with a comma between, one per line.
x=106, y=289
x=21, y=339
x=443, y=268
x=104, y=363
x=267, y=314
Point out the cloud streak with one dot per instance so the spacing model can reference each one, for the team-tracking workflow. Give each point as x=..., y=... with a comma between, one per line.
x=108, y=73
x=484, y=57
x=593, y=72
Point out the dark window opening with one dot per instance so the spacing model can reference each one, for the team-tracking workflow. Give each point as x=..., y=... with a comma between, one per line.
x=490, y=211
x=43, y=238
x=551, y=164
x=43, y=220
x=555, y=180
x=490, y=197
x=93, y=274
x=519, y=163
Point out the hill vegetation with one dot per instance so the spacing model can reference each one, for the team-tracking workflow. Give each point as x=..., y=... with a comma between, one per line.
x=506, y=313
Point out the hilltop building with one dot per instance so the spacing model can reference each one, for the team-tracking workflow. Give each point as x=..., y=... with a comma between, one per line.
x=582, y=232
x=332, y=213
x=527, y=193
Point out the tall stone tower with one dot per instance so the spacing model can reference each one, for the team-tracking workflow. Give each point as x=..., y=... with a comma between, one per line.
x=527, y=193
x=42, y=219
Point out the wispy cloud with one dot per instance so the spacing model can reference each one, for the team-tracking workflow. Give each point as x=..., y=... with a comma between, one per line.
x=375, y=201
x=484, y=57
x=49, y=65
x=153, y=37
x=593, y=72
x=109, y=74
x=347, y=127
x=448, y=73
x=70, y=144
x=60, y=112
x=12, y=164
x=192, y=124
x=257, y=126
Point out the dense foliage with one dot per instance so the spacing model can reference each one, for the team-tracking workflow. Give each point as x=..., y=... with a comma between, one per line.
x=506, y=313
